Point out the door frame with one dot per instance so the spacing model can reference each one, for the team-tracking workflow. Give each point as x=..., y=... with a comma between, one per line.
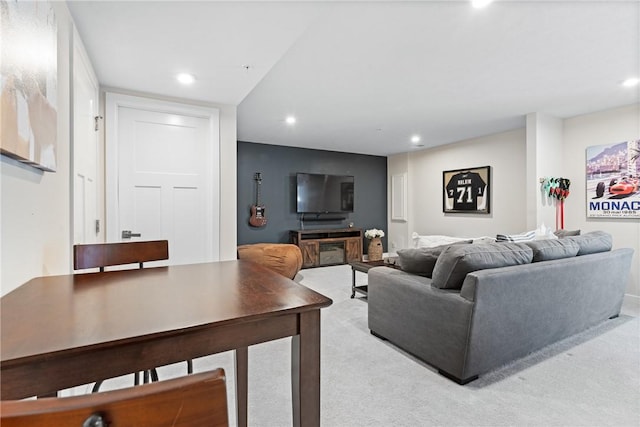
x=113, y=101
x=80, y=60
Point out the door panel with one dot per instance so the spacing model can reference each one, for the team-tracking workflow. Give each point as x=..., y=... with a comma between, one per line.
x=185, y=225
x=166, y=187
x=354, y=250
x=310, y=254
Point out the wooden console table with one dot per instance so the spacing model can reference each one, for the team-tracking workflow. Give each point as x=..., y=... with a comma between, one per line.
x=328, y=247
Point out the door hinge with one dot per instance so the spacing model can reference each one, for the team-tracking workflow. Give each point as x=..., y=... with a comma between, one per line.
x=97, y=120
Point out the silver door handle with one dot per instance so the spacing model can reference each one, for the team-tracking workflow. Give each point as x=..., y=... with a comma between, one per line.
x=127, y=234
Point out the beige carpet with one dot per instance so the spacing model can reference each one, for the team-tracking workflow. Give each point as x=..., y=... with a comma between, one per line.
x=592, y=379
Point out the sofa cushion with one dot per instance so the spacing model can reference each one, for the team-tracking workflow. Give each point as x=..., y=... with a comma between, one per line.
x=592, y=242
x=422, y=260
x=546, y=250
x=455, y=262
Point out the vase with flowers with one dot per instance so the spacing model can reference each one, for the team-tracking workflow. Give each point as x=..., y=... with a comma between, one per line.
x=374, y=250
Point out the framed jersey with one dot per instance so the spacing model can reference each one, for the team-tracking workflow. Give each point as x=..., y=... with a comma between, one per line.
x=467, y=190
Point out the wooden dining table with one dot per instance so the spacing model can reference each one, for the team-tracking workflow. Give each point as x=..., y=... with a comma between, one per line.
x=63, y=331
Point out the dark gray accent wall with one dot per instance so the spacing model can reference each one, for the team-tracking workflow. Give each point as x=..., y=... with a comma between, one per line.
x=279, y=165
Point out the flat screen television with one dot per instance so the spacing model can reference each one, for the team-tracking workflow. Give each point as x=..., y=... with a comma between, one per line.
x=320, y=193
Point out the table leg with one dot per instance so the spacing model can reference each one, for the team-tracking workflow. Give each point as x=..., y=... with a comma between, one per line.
x=305, y=371
x=242, y=363
x=353, y=282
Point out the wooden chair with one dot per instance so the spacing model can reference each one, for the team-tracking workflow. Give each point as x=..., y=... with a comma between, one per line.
x=193, y=400
x=101, y=255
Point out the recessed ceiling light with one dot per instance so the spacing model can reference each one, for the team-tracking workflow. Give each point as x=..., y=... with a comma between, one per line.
x=415, y=139
x=185, y=78
x=479, y=4
x=631, y=82
x=290, y=120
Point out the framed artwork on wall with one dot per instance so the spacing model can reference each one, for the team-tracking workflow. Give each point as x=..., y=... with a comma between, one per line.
x=467, y=190
x=28, y=83
x=399, y=197
x=613, y=180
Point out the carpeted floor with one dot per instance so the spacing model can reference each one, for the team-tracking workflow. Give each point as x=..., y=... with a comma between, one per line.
x=592, y=379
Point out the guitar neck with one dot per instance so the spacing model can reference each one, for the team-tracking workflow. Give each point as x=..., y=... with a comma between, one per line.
x=258, y=194
x=258, y=178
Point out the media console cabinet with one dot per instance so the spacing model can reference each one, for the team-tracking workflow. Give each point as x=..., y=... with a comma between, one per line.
x=329, y=246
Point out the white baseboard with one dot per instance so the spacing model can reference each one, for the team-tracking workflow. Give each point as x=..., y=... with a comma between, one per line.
x=631, y=305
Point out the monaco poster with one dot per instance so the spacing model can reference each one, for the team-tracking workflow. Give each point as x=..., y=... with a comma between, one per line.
x=613, y=180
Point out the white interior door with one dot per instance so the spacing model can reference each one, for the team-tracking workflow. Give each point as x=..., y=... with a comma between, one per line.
x=85, y=148
x=162, y=167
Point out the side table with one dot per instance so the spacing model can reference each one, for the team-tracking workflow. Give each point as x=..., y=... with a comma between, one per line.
x=363, y=267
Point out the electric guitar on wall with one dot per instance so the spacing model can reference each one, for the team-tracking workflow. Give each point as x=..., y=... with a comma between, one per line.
x=257, y=218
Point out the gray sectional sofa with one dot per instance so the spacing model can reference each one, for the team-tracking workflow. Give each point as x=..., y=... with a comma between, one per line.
x=485, y=305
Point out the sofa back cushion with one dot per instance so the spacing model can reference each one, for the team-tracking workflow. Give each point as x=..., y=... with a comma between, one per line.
x=592, y=242
x=546, y=250
x=455, y=262
x=421, y=261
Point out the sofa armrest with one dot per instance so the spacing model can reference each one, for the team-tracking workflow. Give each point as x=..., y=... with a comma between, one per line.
x=428, y=322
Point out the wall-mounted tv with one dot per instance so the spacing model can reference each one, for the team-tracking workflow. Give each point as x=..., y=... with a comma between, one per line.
x=319, y=193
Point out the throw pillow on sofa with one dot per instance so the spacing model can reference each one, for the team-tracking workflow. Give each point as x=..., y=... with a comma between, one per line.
x=540, y=233
x=592, y=242
x=455, y=262
x=422, y=260
x=432, y=241
x=546, y=250
x=523, y=237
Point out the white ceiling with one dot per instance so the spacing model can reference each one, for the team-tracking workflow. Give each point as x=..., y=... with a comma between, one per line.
x=365, y=76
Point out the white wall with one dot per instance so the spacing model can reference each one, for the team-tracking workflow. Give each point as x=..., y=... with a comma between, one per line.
x=36, y=216
x=515, y=201
x=228, y=182
x=36, y=230
x=544, y=159
x=399, y=233
x=504, y=152
x=607, y=127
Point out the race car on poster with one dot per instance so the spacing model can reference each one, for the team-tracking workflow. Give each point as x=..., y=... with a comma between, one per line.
x=625, y=186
